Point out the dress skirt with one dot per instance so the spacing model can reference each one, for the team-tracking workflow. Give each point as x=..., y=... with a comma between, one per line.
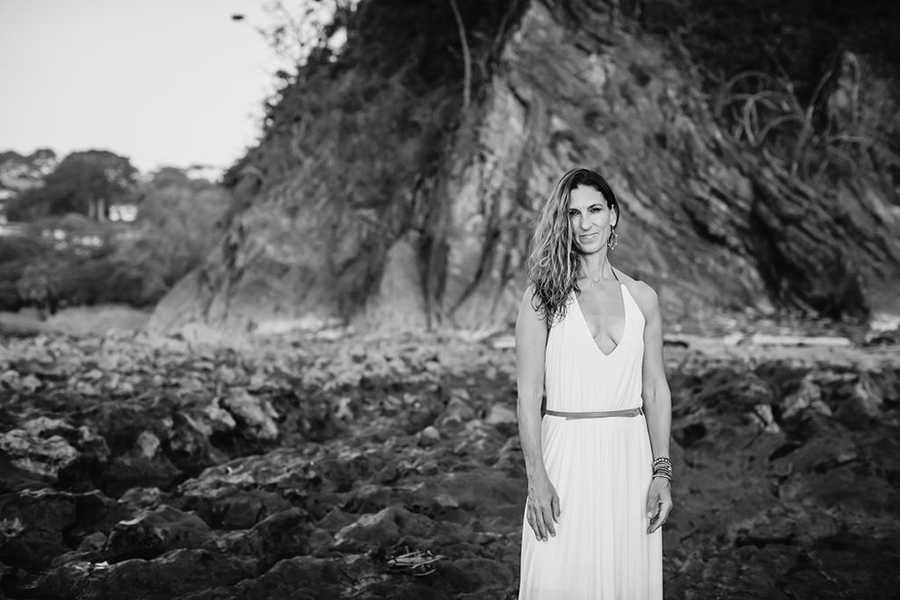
x=601, y=469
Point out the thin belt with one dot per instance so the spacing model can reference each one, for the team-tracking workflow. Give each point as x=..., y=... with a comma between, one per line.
x=628, y=412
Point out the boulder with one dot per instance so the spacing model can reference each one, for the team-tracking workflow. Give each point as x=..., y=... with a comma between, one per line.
x=188, y=445
x=144, y=465
x=32, y=526
x=255, y=416
x=282, y=535
x=65, y=581
x=299, y=578
x=176, y=573
x=429, y=437
x=142, y=498
x=807, y=397
x=241, y=510
x=38, y=446
x=503, y=418
x=382, y=529
x=154, y=532
x=457, y=413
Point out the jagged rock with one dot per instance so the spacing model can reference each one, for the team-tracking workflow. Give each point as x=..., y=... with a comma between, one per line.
x=479, y=576
x=807, y=397
x=762, y=413
x=708, y=222
x=863, y=405
x=176, y=573
x=223, y=480
x=144, y=464
x=787, y=524
x=14, y=478
x=282, y=535
x=256, y=416
x=188, y=443
x=429, y=436
x=142, y=498
x=64, y=582
x=93, y=543
x=503, y=418
x=510, y=459
x=154, y=532
x=341, y=472
x=237, y=495
x=242, y=509
x=301, y=578
x=52, y=449
x=457, y=413
x=97, y=512
x=757, y=511
x=37, y=446
x=32, y=523
x=367, y=498
x=89, y=550
x=37, y=523
x=217, y=419
x=382, y=529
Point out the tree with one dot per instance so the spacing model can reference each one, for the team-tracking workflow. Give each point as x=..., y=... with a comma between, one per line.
x=178, y=223
x=298, y=29
x=84, y=182
x=20, y=171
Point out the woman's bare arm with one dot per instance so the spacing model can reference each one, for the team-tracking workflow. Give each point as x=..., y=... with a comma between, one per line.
x=531, y=342
x=657, y=405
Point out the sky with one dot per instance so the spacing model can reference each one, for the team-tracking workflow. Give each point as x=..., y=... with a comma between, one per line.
x=163, y=82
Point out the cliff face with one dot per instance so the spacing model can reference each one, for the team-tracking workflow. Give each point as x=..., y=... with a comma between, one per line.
x=710, y=225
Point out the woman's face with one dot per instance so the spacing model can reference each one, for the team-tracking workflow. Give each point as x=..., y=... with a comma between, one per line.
x=590, y=218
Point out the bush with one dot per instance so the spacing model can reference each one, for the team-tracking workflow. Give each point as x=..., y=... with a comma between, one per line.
x=73, y=260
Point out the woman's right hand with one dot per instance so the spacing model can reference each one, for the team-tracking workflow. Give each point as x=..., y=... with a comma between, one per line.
x=542, y=508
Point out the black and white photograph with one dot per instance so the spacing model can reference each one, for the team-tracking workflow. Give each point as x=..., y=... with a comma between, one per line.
x=450, y=299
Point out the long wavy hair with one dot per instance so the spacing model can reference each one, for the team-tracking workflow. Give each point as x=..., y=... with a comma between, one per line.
x=555, y=261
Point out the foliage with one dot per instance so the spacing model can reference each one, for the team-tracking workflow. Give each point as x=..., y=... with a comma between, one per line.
x=305, y=27
x=773, y=117
x=72, y=260
x=84, y=182
x=795, y=39
x=382, y=106
x=178, y=223
x=16, y=254
x=366, y=128
x=801, y=82
x=18, y=169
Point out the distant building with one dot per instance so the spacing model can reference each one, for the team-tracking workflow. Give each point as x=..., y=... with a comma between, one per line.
x=124, y=213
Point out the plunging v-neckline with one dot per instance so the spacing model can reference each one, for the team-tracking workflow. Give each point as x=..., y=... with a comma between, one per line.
x=587, y=327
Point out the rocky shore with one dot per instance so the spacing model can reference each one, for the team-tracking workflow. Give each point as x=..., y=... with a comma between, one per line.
x=300, y=468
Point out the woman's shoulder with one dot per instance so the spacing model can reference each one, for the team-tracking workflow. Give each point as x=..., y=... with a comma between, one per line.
x=645, y=296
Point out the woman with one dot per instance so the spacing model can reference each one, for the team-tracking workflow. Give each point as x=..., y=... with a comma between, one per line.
x=597, y=462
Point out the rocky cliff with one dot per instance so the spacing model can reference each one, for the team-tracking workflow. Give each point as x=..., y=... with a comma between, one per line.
x=339, y=216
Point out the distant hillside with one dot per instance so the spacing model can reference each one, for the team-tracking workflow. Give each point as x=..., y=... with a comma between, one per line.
x=377, y=198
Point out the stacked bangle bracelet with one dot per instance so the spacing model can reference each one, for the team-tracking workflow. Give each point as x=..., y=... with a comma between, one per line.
x=662, y=467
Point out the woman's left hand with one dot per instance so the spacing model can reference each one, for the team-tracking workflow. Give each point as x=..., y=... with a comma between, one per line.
x=659, y=502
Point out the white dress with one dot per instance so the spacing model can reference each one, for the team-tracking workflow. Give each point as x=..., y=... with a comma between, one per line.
x=601, y=469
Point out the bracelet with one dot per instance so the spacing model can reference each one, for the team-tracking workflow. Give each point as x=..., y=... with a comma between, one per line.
x=662, y=467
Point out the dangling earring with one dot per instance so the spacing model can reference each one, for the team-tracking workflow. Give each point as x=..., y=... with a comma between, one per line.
x=613, y=239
